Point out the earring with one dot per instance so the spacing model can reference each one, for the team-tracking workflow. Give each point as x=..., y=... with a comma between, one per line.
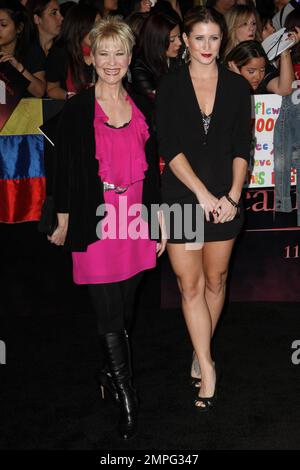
x=94, y=75
x=128, y=75
x=186, y=55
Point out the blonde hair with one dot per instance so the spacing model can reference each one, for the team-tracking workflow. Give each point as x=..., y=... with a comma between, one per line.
x=235, y=18
x=112, y=27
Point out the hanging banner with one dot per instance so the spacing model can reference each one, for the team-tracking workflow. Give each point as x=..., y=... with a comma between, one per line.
x=265, y=111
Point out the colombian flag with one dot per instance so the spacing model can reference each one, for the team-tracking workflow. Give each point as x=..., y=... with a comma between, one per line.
x=22, y=173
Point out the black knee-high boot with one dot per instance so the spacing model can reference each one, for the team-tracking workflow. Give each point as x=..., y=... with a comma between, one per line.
x=105, y=380
x=117, y=351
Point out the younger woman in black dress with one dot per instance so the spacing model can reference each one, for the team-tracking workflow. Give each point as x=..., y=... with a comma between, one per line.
x=204, y=131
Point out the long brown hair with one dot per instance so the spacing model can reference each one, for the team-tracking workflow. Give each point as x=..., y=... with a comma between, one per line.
x=77, y=24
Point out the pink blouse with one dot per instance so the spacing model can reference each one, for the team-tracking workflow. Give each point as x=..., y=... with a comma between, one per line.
x=122, y=162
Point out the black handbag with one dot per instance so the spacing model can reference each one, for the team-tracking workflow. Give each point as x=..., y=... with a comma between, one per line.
x=48, y=221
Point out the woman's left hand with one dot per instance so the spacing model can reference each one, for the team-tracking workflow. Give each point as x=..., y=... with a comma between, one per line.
x=4, y=57
x=225, y=210
x=59, y=235
x=161, y=245
x=295, y=35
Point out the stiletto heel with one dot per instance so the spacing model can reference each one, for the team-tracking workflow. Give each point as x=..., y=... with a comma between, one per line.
x=195, y=381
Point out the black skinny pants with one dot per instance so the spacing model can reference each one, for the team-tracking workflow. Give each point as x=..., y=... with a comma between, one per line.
x=114, y=304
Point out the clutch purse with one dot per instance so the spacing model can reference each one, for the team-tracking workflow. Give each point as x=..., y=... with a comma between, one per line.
x=48, y=221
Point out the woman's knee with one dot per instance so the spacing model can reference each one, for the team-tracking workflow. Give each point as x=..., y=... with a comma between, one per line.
x=191, y=288
x=216, y=282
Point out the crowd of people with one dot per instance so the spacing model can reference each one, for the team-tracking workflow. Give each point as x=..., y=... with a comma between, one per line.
x=143, y=79
x=48, y=42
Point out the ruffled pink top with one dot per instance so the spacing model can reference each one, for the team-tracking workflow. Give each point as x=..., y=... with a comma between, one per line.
x=122, y=162
x=110, y=148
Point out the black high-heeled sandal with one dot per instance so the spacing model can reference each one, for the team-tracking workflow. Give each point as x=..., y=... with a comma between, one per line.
x=208, y=402
x=195, y=382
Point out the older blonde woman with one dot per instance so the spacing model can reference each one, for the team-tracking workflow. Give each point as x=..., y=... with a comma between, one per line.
x=106, y=160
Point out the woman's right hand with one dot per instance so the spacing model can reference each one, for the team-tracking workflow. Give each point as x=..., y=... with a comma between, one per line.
x=6, y=57
x=295, y=36
x=58, y=237
x=208, y=201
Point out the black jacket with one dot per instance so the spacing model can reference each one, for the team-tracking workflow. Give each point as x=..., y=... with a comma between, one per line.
x=180, y=129
x=144, y=79
x=78, y=189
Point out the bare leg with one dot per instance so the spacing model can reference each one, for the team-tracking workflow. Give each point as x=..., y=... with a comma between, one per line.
x=188, y=267
x=216, y=256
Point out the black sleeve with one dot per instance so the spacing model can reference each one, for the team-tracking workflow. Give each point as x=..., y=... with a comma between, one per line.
x=271, y=72
x=35, y=60
x=56, y=66
x=151, y=186
x=242, y=134
x=143, y=81
x=49, y=129
x=168, y=131
x=62, y=166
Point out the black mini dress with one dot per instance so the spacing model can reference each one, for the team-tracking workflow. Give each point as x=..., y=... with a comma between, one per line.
x=210, y=143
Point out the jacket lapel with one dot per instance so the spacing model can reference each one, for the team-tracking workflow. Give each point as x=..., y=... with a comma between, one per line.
x=192, y=106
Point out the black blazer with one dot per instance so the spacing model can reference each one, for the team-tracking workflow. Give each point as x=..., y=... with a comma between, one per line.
x=78, y=189
x=180, y=129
